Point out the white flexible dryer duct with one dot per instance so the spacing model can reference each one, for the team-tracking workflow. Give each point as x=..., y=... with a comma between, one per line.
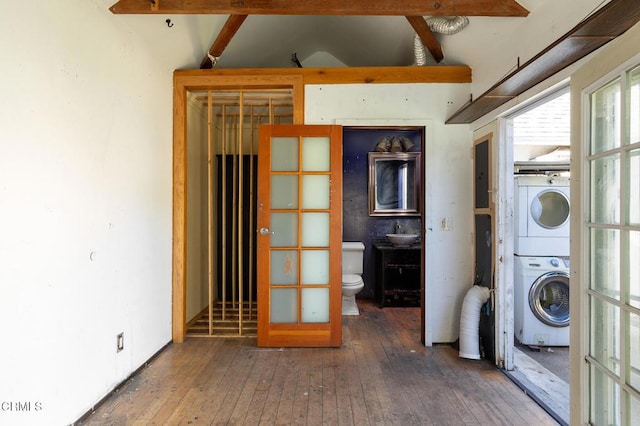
x=440, y=25
x=448, y=26
x=470, y=321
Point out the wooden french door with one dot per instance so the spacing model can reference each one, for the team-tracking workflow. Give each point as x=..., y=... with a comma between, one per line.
x=299, y=225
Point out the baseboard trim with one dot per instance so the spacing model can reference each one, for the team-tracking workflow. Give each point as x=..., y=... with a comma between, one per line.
x=121, y=384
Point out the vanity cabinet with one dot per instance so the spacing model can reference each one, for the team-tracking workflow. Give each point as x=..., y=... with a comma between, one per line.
x=397, y=278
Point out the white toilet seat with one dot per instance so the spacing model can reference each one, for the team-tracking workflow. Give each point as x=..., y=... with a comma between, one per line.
x=351, y=280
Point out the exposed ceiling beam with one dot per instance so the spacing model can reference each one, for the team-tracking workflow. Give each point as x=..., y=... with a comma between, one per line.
x=607, y=23
x=205, y=79
x=224, y=37
x=324, y=7
x=426, y=35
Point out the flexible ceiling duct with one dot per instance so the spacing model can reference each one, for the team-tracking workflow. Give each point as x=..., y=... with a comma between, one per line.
x=440, y=25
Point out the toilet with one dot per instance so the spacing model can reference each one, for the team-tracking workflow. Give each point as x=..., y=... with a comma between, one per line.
x=352, y=283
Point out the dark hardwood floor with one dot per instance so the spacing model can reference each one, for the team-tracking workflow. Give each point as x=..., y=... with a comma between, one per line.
x=382, y=375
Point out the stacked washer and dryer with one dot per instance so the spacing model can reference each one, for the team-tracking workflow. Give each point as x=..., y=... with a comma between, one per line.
x=541, y=269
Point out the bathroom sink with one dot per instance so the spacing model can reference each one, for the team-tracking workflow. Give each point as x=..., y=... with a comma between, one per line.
x=402, y=240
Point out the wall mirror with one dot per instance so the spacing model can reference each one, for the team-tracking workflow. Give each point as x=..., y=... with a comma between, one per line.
x=394, y=183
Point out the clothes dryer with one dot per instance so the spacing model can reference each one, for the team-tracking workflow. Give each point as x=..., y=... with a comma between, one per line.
x=541, y=212
x=541, y=300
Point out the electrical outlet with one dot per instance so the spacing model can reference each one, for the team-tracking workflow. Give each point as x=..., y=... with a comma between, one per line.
x=120, y=342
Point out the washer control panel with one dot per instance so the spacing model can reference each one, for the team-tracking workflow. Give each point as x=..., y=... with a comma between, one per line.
x=548, y=262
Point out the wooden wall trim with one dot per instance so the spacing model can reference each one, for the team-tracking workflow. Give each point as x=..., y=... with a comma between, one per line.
x=179, y=253
x=343, y=75
x=185, y=81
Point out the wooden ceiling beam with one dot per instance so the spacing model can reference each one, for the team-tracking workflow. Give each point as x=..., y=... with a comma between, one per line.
x=324, y=7
x=224, y=37
x=426, y=35
x=211, y=79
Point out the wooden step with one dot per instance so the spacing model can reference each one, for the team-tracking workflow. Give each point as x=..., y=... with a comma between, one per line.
x=228, y=327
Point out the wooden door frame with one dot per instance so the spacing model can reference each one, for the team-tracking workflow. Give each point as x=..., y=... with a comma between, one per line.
x=198, y=81
x=296, y=78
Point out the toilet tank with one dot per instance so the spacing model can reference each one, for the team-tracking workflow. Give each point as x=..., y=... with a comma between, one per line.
x=352, y=257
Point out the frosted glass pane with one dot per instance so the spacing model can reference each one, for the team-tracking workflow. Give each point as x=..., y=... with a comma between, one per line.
x=315, y=305
x=284, y=228
x=605, y=190
x=284, y=305
x=284, y=154
x=315, y=154
x=315, y=267
x=605, y=334
x=634, y=268
x=284, y=267
x=315, y=192
x=634, y=105
x=284, y=191
x=605, y=118
x=634, y=187
x=605, y=399
x=634, y=350
x=634, y=408
x=605, y=264
x=315, y=229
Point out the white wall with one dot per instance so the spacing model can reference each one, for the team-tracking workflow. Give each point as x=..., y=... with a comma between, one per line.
x=85, y=207
x=505, y=42
x=448, y=169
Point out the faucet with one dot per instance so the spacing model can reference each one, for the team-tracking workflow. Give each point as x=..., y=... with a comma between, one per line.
x=398, y=227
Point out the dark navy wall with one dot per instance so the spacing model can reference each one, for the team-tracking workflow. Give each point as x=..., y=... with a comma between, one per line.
x=357, y=224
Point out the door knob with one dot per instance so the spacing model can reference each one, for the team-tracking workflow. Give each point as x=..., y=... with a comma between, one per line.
x=265, y=231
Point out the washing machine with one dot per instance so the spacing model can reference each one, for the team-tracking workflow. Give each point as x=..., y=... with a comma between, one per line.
x=541, y=300
x=541, y=216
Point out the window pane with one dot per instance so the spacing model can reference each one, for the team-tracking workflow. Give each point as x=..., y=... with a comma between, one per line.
x=605, y=399
x=283, y=268
x=284, y=228
x=284, y=305
x=284, y=154
x=605, y=118
x=634, y=105
x=634, y=268
x=634, y=411
x=315, y=267
x=605, y=262
x=315, y=154
x=634, y=351
x=634, y=187
x=315, y=229
x=605, y=190
x=315, y=192
x=284, y=191
x=605, y=334
x=315, y=305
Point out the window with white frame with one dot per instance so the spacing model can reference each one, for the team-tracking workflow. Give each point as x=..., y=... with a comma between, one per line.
x=612, y=171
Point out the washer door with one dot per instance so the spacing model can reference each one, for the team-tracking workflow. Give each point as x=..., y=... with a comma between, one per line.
x=549, y=298
x=550, y=209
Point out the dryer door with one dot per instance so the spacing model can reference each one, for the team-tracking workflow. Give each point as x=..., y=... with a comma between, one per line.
x=549, y=298
x=548, y=212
